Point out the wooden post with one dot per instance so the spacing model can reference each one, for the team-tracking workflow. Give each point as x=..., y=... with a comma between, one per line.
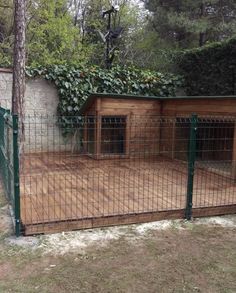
x=234, y=154
x=85, y=134
x=127, y=135
x=98, y=128
x=173, y=139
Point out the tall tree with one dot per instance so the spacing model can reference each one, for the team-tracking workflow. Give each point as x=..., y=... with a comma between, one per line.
x=87, y=16
x=187, y=23
x=6, y=31
x=51, y=34
x=66, y=31
x=18, y=87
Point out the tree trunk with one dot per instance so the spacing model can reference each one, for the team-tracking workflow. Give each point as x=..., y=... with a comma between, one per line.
x=18, y=87
x=201, y=39
x=201, y=34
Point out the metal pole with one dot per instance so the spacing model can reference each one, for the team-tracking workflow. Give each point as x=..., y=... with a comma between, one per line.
x=108, y=42
x=5, y=156
x=191, y=164
x=233, y=81
x=16, y=175
x=8, y=157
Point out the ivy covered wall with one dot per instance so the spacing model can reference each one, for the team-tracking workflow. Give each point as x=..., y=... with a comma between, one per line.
x=75, y=84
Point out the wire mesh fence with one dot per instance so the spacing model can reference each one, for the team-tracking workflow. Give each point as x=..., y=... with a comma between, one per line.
x=79, y=172
x=9, y=161
x=215, y=162
x=6, y=150
x=87, y=171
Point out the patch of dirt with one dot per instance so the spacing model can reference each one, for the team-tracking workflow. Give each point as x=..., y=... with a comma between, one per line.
x=166, y=256
x=224, y=221
x=80, y=241
x=5, y=220
x=24, y=242
x=5, y=270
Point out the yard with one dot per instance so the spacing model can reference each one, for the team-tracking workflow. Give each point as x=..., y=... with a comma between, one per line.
x=167, y=256
x=117, y=134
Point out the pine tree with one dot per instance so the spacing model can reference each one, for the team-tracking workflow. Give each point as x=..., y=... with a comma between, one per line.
x=18, y=87
x=187, y=23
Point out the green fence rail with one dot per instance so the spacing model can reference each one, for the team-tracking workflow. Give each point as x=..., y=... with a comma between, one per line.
x=9, y=161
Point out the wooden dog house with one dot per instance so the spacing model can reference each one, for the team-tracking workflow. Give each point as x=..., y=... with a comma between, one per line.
x=133, y=128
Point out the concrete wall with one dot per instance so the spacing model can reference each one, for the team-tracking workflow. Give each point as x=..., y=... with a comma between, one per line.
x=40, y=95
x=5, y=88
x=41, y=131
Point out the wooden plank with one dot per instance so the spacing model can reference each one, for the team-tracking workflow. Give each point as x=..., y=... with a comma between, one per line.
x=124, y=220
x=98, y=104
x=214, y=211
x=142, y=113
x=102, y=222
x=130, y=104
x=98, y=129
x=85, y=133
x=127, y=135
x=173, y=136
x=234, y=154
x=98, y=137
x=223, y=107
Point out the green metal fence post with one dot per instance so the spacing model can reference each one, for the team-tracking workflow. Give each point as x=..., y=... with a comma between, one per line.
x=191, y=164
x=8, y=155
x=16, y=175
x=4, y=147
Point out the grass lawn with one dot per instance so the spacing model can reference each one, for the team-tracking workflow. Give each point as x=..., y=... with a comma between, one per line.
x=183, y=257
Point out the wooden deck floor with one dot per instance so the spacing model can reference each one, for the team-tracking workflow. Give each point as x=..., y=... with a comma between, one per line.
x=65, y=192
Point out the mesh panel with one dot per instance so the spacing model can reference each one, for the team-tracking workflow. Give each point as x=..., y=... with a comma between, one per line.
x=80, y=172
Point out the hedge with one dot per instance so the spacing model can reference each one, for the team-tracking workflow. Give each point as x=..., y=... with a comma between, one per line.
x=210, y=70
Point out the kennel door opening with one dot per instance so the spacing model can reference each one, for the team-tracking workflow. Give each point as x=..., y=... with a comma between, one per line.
x=113, y=134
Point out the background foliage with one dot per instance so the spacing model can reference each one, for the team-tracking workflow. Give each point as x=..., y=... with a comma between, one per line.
x=210, y=70
x=188, y=23
x=65, y=32
x=74, y=84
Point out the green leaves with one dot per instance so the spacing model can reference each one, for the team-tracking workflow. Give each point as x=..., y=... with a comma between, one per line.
x=188, y=23
x=75, y=84
x=210, y=70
